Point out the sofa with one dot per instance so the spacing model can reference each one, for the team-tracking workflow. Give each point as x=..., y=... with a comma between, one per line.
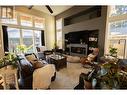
x=27, y=73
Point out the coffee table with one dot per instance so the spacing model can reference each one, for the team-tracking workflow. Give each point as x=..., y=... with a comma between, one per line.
x=59, y=61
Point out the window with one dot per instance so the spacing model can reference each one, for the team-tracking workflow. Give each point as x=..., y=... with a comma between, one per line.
x=59, y=39
x=59, y=24
x=59, y=33
x=6, y=12
x=3, y=11
x=24, y=29
x=28, y=39
x=11, y=21
x=120, y=45
x=118, y=27
x=117, y=34
x=39, y=22
x=118, y=10
x=37, y=38
x=26, y=20
x=13, y=38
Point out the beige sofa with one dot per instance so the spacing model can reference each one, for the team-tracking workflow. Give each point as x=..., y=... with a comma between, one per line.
x=42, y=76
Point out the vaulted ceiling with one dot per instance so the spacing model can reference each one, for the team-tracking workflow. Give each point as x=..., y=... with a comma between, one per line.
x=56, y=9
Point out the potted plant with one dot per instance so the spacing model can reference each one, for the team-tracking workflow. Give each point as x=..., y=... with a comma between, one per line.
x=9, y=60
x=23, y=48
x=122, y=80
x=110, y=77
x=115, y=78
x=113, y=51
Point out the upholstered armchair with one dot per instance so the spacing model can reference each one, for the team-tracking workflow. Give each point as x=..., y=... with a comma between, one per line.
x=90, y=58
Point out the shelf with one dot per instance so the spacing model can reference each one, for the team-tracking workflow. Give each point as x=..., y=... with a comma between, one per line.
x=84, y=35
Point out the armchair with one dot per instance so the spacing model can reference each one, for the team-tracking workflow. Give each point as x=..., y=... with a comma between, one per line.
x=90, y=58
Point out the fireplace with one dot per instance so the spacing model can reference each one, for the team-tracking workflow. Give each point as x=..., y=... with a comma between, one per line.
x=77, y=49
x=81, y=42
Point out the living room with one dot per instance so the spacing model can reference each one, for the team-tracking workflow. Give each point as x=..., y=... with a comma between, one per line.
x=63, y=47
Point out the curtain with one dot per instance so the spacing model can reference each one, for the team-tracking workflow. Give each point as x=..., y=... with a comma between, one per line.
x=42, y=38
x=5, y=39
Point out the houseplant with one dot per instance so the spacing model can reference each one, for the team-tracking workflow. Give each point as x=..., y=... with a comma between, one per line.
x=115, y=77
x=23, y=48
x=110, y=78
x=9, y=59
x=113, y=51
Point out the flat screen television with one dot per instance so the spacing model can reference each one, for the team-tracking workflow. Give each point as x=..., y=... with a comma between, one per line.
x=76, y=37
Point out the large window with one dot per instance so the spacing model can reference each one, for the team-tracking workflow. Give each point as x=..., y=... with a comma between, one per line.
x=13, y=38
x=26, y=20
x=11, y=21
x=59, y=33
x=28, y=39
x=117, y=34
x=118, y=10
x=25, y=30
x=118, y=27
x=39, y=22
x=37, y=38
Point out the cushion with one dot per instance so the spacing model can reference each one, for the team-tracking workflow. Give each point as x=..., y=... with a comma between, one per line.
x=84, y=61
x=34, y=61
x=37, y=64
x=91, y=57
x=31, y=57
x=26, y=67
x=42, y=48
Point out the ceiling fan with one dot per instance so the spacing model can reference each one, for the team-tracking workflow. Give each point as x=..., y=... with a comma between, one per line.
x=47, y=6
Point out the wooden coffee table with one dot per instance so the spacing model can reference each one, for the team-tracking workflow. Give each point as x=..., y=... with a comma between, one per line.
x=59, y=61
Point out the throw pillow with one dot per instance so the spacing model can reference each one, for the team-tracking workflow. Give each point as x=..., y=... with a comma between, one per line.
x=91, y=57
x=31, y=57
x=84, y=60
x=34, y=61
x=37, y=64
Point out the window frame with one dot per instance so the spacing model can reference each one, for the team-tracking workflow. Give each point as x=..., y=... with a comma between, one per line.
x=111, y=19
x=20, y=27
x=59, y=30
